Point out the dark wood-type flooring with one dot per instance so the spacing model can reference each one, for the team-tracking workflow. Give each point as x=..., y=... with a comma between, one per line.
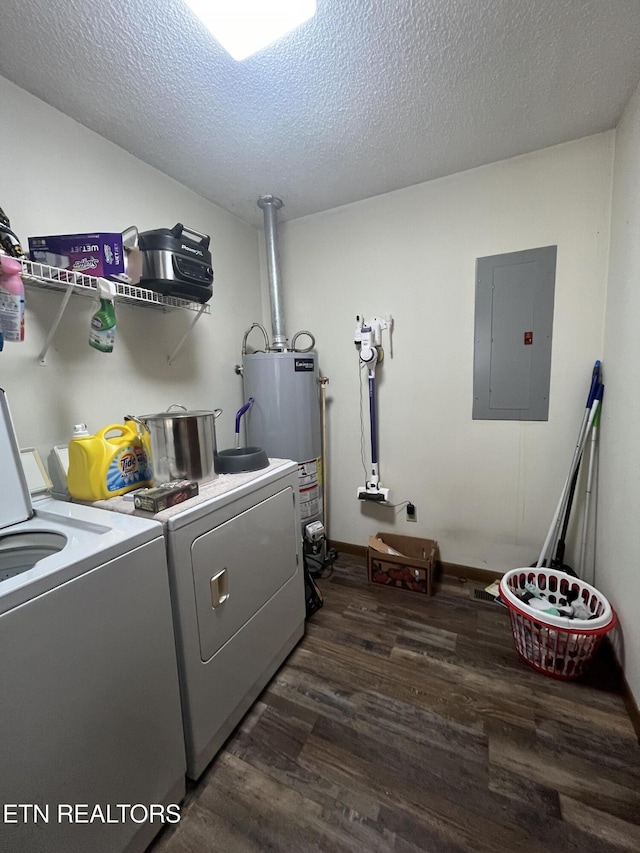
x=408, y=724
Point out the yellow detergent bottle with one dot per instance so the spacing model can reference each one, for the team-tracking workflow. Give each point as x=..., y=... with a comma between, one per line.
x=107, y=464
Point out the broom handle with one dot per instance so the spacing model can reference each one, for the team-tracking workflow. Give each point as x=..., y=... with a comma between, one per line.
x=587, y=499
x=554, y=534
x=574, y=464
x=566, y=513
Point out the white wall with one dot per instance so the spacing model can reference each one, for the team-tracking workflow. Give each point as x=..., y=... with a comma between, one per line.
x=618, y=528
x=486, y=490
x=60, y=178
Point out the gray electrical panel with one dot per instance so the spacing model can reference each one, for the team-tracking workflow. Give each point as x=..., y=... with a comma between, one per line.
x=513, y=331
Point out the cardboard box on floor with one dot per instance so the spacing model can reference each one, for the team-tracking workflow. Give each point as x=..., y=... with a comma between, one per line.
x=402, y=562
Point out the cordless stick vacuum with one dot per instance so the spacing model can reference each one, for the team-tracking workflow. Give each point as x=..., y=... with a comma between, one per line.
x=368, y=340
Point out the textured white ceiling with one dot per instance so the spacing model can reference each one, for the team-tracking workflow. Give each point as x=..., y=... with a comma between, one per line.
x=368, y=97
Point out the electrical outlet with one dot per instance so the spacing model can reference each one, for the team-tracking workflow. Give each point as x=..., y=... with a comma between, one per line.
x=412, y=514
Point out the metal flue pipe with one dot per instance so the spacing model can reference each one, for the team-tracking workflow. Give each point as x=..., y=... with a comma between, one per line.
x=270, y=205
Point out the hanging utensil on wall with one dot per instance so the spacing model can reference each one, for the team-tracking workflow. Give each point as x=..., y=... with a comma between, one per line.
x=9, y=241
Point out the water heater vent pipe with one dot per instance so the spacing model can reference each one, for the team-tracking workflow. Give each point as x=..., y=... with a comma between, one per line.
x=270, y=205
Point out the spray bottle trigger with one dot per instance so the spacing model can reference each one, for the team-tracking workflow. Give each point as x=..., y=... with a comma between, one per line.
x=106, y=289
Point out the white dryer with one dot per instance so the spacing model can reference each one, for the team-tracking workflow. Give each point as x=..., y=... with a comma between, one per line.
x=89, y=695
x=237, y=585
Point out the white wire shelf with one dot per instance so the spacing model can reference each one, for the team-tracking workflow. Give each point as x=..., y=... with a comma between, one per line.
x=69, y=282
x=53, y=278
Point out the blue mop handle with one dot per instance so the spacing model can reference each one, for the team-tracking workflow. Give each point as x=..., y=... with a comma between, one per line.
x=595, y=382
x=598, y=395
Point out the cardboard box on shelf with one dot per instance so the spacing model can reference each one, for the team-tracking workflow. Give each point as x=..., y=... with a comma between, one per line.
x=100, y=255
x=402, y=562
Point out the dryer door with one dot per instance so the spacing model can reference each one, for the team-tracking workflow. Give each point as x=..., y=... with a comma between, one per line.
x=240, y=565
x=15, y=501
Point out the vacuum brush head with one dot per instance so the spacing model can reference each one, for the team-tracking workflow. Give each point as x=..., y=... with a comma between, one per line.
x=377, y=495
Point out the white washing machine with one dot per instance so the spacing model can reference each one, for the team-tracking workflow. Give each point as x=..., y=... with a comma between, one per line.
x=237, y=584
x=89, y=694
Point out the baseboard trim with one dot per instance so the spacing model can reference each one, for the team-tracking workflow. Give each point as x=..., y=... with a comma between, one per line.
x=348, y=548
x=454, y=569
x=470, y=572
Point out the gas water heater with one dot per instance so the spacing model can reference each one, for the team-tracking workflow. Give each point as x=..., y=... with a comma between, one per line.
x=285, y=418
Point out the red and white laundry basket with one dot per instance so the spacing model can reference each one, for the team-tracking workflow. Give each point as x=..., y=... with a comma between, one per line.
x=556, y=645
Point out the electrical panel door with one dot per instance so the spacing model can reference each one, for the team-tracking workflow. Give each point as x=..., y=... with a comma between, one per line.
x=513, y=333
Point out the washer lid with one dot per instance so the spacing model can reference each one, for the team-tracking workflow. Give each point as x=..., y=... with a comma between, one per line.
x=15, y=501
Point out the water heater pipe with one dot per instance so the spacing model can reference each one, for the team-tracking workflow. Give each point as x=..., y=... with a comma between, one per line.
x=324, y=381
x=270, y=205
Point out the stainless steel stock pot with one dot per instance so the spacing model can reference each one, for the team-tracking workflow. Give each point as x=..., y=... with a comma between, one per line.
x=183, y=443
